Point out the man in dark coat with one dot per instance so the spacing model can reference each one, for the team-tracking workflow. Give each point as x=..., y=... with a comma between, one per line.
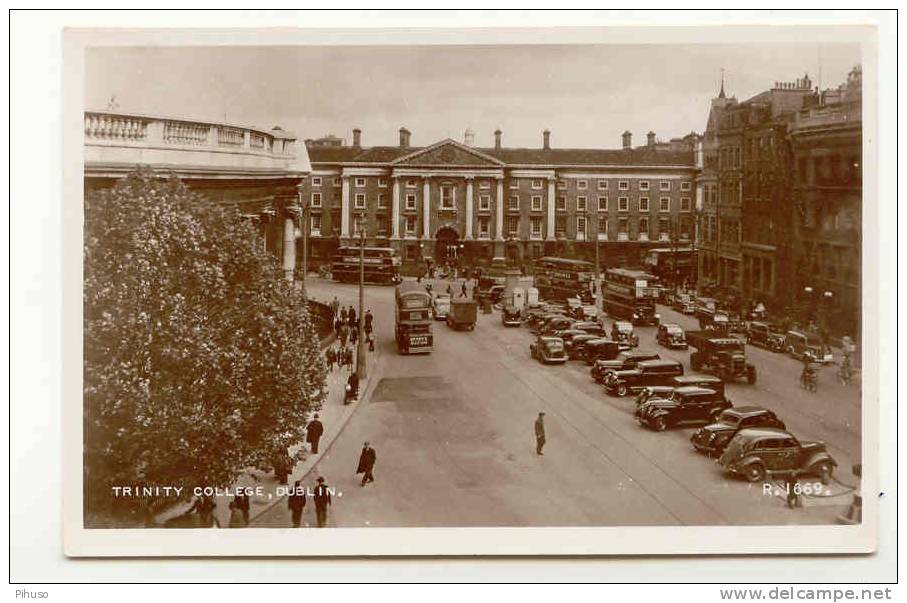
x=343, y=314
x=281, y=467
x=241, y=500
x=366, y=463
x=313, y=432
x=463, y=291
x=296, y=503
x=540, y=433
x=369, y=318
x=322, y=496
x=204, y=505
x=352, y=316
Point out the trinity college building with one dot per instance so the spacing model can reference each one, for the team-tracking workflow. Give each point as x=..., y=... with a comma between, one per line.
x=452, y=201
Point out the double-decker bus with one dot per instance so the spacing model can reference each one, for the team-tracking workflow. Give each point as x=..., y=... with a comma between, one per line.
x=558, y=279
x=626, y=295
x=672, y=264
x=413, y=319
x=382, y=265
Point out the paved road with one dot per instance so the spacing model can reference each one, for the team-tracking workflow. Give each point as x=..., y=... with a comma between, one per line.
x=453, y=432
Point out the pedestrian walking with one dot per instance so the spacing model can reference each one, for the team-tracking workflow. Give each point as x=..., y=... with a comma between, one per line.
x=349, y=359
x=792, y=485
x=463, y=292
x=335, y=307
x=344, y=334
x=354, y=335
x=449, y=290
x=540, y=433
x=371, y=342
x=296, y=503
x=241, y=500
x=366, y=463
x=313, y=433
x=351, y=316
x=236, y=518
x=204, y=506
x=322, y=496
x=329, y=357
x=282, y=467
x=369, y=319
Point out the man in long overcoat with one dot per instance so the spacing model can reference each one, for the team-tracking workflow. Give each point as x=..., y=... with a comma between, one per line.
x=367, y=463
x=296, y=503
x=540, y=433
x=313, y=432
x=322, y=496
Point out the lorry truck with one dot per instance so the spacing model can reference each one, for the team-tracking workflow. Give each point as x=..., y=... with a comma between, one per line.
x=462, y=315
x=724, y=357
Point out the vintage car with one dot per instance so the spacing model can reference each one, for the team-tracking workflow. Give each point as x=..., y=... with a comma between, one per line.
x=684, y=303
x=576, y=347
x=671, y=336
x=548, y=350
x=625, y=359
x=763, y=335
x=644, y=374
x=537, y=325
x=554, y=325
x=603, y=350
x=593, y=328
x=510, y=316
x=622, y=330
x=802, y=346
x=440, y=306
x=684, y=405
x=713, y=438
x=760, y=452
x=706, y=381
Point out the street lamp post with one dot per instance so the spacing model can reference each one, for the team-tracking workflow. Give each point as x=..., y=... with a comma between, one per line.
x=304, y=227
x=597, y=279
x=360, y=350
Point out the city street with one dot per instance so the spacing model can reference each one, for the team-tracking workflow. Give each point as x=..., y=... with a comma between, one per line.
x=453, y=432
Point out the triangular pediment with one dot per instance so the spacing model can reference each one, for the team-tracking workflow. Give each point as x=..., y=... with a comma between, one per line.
x=448, y=153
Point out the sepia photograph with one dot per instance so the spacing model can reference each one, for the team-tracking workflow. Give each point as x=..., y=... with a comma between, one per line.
x=582, y=285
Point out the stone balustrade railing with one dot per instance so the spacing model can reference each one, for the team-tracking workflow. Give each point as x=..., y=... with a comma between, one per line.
x=118, y=129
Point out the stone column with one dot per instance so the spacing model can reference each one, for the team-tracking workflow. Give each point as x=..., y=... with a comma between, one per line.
x=468, y=208
x=426, y=209
x=395, y=210
x=550, y=207
x=345, y=209
x=289, y=247
x=499, y=210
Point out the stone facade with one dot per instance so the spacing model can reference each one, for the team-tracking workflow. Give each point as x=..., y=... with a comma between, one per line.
x=453, y=202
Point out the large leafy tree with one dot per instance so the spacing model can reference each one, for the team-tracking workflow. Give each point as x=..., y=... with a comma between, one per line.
x=200, y=360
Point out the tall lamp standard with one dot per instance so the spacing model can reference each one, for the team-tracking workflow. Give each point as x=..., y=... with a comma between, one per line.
x=596, y=281
x=304, y=227
x=360, y=349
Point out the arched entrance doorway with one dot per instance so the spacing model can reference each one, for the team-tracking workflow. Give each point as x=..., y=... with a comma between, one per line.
x=447, y=246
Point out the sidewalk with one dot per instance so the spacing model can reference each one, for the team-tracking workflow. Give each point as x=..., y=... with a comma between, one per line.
x=333, y=414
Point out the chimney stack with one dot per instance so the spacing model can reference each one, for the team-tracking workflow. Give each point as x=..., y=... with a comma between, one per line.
x=469, y=137
x=627, y=138
x=650, y=139
x=404, y=138
x=546, y=139
x=357, y=137
x=497, y=139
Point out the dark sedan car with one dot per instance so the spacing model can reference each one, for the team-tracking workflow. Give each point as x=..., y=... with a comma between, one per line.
x=760, y=452
x=671, y=336
x=576, y=348
x=663, y=391
x=626, y=359
x=646, y=373
x=713, y=438
x=684, y=405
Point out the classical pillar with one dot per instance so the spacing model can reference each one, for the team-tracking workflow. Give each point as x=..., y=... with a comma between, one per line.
x=468, y=208
x=345, y=209
x=426, y=209
x=289, y=247
x=499, y=210
x=395, y=210
x=550, y=207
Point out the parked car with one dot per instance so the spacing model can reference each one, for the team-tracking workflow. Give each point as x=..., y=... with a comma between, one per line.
x=706, y=381
x=671, y=335
x=757, y=453
x=713, y=438
x=576, y=347
x=593, y=328
x=556, y=324
x=802, y=346
x=684, y=405
x=646, y=373
x=763, y=335
x=545, y=319
x=510, y=316
x=440, y=306
x=624, y=360
x=548, y=350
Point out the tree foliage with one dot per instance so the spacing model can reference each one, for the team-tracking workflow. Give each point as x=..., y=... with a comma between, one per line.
x=199, y=358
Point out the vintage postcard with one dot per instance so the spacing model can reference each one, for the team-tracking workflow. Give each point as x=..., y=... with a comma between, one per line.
x=578, y=291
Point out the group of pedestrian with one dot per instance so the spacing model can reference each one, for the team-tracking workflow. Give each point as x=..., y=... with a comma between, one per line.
x=339, y=357
x=346, y=326
x=296, y=502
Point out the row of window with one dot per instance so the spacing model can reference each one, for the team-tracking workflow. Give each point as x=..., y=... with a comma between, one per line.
x=448, y=198
x=535, y=227
x=623, y=185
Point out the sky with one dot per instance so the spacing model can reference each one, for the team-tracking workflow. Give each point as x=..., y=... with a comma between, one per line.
x=587, y=95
